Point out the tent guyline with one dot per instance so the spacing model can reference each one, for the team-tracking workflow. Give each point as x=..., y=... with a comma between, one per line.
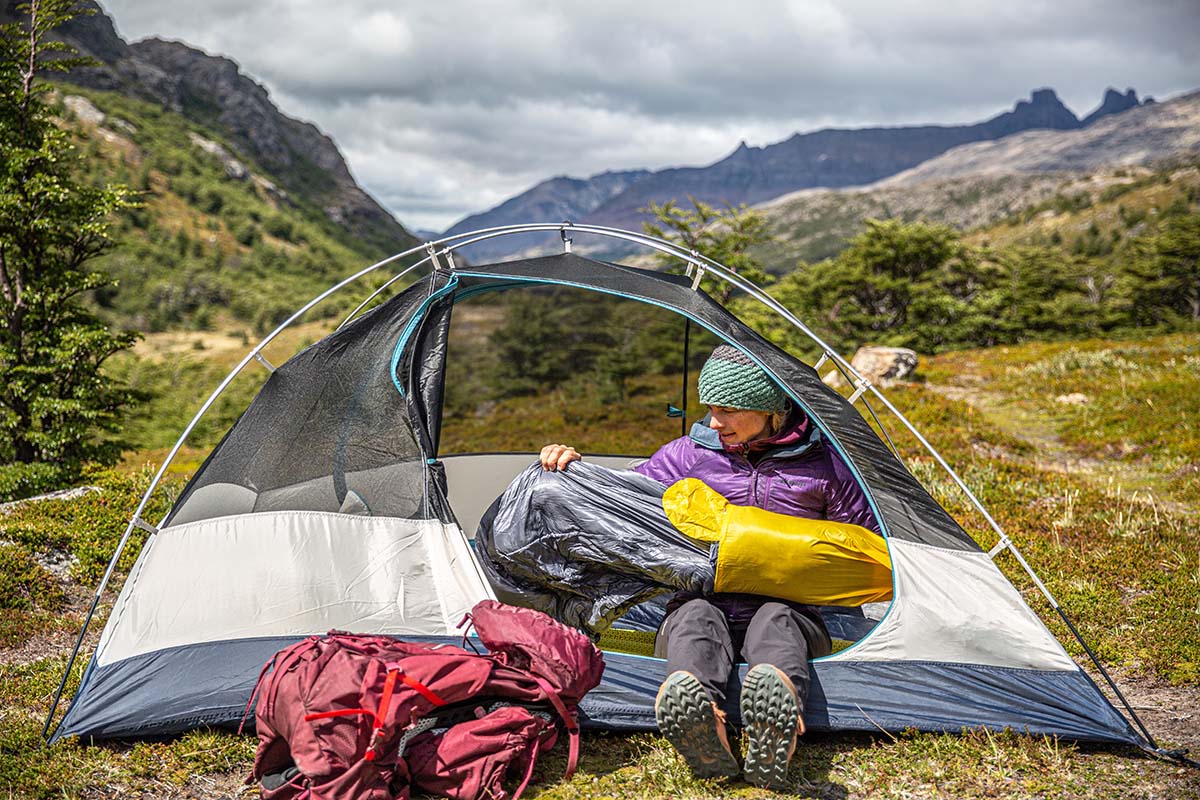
x=446, y=275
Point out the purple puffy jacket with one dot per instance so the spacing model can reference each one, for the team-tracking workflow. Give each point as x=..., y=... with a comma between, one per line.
x=801, y=479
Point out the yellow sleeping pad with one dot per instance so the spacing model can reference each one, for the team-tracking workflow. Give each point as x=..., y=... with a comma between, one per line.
x=806, y=560
x=638, y=643
x=641, y=643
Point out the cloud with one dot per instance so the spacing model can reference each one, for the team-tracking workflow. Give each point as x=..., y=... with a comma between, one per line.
x=446, y=108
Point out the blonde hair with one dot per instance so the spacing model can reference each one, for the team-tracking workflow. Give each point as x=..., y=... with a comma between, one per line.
x=777, y=419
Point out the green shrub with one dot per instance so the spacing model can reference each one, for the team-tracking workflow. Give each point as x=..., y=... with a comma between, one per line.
x=1115, y=191
x=18, y=481
x=246, y=233
x=24, y=583
x=279, y=226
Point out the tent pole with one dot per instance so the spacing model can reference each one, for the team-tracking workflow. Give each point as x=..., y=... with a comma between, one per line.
x=687, y=332
x=1108, y=679
x=892, y=445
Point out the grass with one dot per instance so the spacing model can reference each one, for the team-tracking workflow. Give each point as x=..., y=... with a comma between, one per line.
x=1121, y=557
x=179, y=370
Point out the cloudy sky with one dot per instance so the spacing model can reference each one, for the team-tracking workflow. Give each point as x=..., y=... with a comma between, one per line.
x=446, y=107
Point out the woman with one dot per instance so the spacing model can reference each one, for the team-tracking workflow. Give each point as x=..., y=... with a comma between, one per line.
x=755, y=449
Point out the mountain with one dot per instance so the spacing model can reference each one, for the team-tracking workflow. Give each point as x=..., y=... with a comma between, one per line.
x=1114, y=103
x=1138, y=136
x=831, y=157
x=554, y=200
x=212, y=91
x=1048, y=173
x=825, y=158
x=244, y=214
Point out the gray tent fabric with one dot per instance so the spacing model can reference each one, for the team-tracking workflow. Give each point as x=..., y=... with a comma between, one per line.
x=585, y=544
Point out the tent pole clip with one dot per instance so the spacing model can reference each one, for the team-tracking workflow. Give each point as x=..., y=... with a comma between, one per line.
x=138, y=522
x=820, y=362
x=433, y=259
x=699, y=271
x=860, y=388
x=1000, y=545
x=260, y=358
x=566, y=240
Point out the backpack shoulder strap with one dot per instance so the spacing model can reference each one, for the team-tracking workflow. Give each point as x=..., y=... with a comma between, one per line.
x=269, y=684
x=568, y=718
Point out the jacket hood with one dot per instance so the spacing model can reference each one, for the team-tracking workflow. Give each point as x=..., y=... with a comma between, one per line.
x=709, y=439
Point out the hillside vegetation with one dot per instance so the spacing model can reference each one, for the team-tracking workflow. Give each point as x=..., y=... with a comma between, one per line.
x=1029, y=208
x=215, y=242
x=1096, y=258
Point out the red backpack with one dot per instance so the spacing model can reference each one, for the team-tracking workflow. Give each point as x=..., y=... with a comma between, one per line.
x=349, y=716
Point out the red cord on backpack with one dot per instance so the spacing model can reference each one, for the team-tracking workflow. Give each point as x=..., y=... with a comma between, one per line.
x=385, y=702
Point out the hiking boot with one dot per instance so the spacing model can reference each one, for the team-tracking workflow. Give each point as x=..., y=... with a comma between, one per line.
x=694, y=726
x=771, y=714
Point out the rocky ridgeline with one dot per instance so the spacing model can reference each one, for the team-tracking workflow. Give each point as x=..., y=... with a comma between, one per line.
x=213, y=91
x=555, y=200
x=1139, y=137
x=830, y=158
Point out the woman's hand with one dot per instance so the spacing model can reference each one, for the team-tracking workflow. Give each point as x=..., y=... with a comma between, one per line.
x=557, y=456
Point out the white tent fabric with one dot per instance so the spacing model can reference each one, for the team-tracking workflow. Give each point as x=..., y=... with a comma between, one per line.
x=291, y=573
x=956, y=606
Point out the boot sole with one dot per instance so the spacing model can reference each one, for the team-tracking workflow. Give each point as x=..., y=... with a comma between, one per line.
x=771, y=715
x=685, y=717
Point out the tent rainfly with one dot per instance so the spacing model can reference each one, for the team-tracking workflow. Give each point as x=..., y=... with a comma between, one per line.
x=328, y=505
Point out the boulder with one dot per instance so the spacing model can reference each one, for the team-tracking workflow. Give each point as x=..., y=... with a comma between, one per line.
x=880, y=365
x=1073, y=399
x=61, y=494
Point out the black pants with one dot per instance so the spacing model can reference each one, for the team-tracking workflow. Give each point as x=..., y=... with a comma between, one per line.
x=700, y=638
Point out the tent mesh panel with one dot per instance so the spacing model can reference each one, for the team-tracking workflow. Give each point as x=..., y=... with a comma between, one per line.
x=329, y=431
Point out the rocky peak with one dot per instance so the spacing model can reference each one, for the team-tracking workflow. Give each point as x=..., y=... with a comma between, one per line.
x=213, y=91
x=1113, y=103
x=1043, y=109
x=743, y=153
x=92, y=33
x=215, y=88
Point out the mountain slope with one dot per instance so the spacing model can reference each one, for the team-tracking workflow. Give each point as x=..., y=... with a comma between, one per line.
x=554, y=200
x=245, y=214
x=824, y=158
x=984, y=183
x=212, y=91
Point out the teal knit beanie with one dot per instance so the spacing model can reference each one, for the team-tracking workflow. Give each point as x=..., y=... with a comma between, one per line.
x=730, y=379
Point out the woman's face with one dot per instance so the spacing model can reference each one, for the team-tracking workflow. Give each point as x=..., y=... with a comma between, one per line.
x=737, y=425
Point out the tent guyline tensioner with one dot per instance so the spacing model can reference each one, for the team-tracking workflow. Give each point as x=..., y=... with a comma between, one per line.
x=697, y=267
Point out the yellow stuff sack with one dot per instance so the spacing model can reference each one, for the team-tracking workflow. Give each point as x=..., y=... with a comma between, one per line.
x=806, y=560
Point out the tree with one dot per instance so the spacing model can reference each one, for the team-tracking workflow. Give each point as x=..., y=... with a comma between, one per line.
x=724, y=236
x=57, y=408
x=1166, y=274
x=897, y=283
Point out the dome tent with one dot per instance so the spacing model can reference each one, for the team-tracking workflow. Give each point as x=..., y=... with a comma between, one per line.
x=328, y=505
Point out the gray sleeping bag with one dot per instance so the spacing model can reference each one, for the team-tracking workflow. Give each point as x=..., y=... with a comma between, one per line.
x=585, y=544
